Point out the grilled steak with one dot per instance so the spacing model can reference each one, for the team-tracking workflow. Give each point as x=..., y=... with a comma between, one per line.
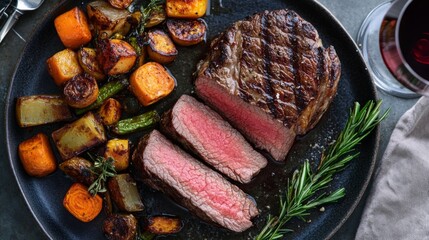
x=271, y=77
x=167, y=168
x=204, y=132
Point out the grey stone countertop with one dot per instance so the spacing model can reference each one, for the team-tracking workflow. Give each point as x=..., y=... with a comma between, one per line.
x=16, y=221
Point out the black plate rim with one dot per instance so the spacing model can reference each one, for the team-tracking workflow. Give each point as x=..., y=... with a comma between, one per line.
x=326, y=11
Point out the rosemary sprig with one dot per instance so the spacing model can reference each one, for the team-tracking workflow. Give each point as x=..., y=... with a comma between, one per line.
x=153, y=5
x=305, y=184
x=103, y=169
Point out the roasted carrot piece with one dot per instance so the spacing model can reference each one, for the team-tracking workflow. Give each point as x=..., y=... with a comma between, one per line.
x=186, y=8
x=81, y=204
x=36, y=156
x=151, y=82
x=63, y=66
x=73, y=28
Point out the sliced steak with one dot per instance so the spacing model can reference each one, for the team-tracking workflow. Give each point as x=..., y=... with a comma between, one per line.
x=271, y=77
x=203, y=131
x=165, y=167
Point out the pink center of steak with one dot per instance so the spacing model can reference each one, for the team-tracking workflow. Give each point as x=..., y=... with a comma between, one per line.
x=223, y=202
x=213, y=138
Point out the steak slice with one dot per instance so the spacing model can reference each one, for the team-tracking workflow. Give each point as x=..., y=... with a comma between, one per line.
x=270, y=77
x=203, y=131
x=167, y=168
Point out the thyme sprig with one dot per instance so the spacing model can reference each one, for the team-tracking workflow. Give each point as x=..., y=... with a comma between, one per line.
x=153, y=5
x=302, y=188
x=103, y=168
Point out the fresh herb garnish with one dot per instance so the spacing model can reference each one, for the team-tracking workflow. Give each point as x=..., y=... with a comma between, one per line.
x=301, y=189
x=103, y=169
x=153, y=5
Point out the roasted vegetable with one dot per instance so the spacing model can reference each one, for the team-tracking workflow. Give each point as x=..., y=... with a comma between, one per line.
x=110, y=111
x=164, y=225
x=76, y=137
x=105, y=92
x=41, y=109
x=186, y=32
x=137, y=123
x=73, y=28
x=36, y=156
x=81, y=204
x=186, y=8
x=107, y=20
x=160, y=48
x=79, y=169
x=116, y=56
x=120, y=4
x=157, y=16
x=88, y=61
x=119, y=150
x=120, y=227
x=151, y=82
x=124, y=193
x=81, y=91
x=63, y=66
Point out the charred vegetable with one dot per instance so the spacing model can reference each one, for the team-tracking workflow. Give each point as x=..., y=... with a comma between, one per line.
x=186, y=32
x=186, y=8
x=137, y=123
x=81, y=91
x=63, y=66
x=36, y=156
x=73, y=28
x=81, y=135
x=157, y=16
x=161, y=49
x=116, y=56
x=105, y=92
x=88, y=61
x=41, y=109
x=79, y=169
x=120, y=227
x=146, y=13
x=119, y=150
x=150, y=83
x=120, y=4
x=110, y=111
x=81, y=204
x=164, y=225
x=124, y=193
x=107, y=20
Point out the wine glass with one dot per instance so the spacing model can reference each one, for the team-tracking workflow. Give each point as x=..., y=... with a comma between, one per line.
x=394, y=41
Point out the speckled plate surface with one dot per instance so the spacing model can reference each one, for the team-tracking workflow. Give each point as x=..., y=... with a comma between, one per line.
x=44, y=195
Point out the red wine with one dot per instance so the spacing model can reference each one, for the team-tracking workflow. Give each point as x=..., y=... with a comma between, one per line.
x=414, y=37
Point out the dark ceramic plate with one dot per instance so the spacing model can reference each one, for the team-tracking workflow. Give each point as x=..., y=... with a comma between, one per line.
x=44, y=195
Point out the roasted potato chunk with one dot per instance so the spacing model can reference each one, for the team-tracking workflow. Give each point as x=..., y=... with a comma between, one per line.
x=110, y=111
x=119, y=150
x=79, y=169
x=120, y=4
x=81, y=91
x=124, y=193
x=116, y=56
x=41, y=109
x=63, y=66
x=161, y=49
x=107, y=20
x=79, y=136
x=186, y=32
x=186, y=8
x=120, y=227
x=164, y=225
x=88, y=61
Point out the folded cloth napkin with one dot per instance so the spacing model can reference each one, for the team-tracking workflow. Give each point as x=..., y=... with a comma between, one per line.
x=398, y=204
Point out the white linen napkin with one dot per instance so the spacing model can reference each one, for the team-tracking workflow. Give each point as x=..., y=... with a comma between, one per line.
x=398, y=203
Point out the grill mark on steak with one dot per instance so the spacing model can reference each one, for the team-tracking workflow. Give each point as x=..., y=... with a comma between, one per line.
x=266, y=58
x=320, y=64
